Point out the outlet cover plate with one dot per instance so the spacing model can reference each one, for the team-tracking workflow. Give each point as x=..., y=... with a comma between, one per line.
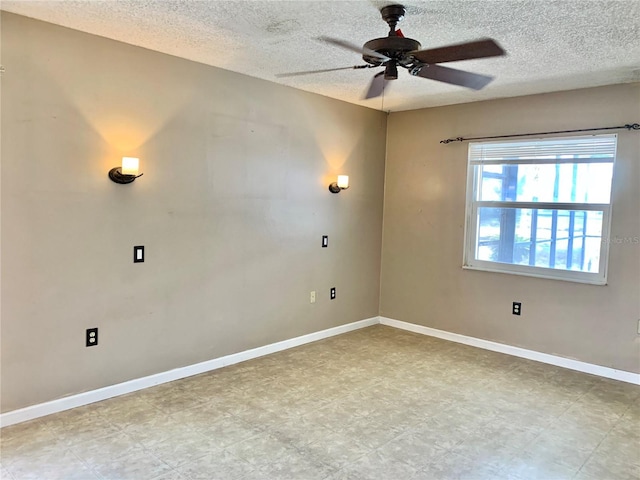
x=333, y=293
x=92, y=337
x=516, y=309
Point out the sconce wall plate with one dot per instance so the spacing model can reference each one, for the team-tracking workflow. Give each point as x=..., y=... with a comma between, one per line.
x=334, y=188
x=116, y=175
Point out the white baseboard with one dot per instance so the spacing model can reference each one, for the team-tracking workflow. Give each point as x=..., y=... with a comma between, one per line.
x=73, y=401
x=585, y=367
x=80, y=399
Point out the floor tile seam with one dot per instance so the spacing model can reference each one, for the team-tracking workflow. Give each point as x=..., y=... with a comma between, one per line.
x=352, y=462
x=152, y=449
x=506, y=467
x=435, y=462
x=583, y=464
x=157, y=457
x=599, y=382
x=173, y=470
x=236, y=457
x=229, y=445
x=11, y=477
x=604, y=437
x=83, y=462
x=9, y=470
x=207, y=405
x=535, y=437
x=442, y=450
x=630, y=408
x=120, y=427
x=563, y=465
x=182, y=464
x=74, y=446
x=400, y=434
x=16, y=457
x=42, y=420
x=599, y=403
x=311, y=457
x=602, y=433
x=576, y=469
x=565, y=410
x=245, y=423
x=337, y=431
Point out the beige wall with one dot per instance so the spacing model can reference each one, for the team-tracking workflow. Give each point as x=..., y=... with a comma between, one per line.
x=422, y=278
x=231, y=210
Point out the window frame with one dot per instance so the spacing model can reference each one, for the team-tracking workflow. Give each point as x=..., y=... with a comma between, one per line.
x=472, y=221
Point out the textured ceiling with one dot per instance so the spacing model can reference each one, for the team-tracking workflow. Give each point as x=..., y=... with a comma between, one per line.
x=551, y=45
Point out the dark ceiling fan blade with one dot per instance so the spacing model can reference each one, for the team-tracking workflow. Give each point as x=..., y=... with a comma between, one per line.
x=355, y=48
x=483, y=48
x=376, y=88
x=474, y=81
x=310, y=72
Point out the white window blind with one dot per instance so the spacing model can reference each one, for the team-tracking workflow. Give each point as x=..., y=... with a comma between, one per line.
x=597, y=148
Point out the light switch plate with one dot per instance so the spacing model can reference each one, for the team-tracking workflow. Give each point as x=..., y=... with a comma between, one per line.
x=138, y=254
x=325, y=241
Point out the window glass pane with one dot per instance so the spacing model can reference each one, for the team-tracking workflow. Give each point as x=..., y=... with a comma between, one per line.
x=594, y=224
x=562, y=182
x=491, y=188
x=493, y=168
x=558, y=239
x=488, y=233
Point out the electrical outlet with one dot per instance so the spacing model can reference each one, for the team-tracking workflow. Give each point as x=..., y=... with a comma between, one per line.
x=92, y=337
x=517, y=308
x=325, y=241
x=312, y=297
x=333, y=293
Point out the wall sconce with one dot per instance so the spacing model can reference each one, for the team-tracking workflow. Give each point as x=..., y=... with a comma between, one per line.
x=127, y=173
x=341, y=184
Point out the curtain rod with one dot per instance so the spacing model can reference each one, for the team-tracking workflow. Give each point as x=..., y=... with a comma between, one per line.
x=628, y=126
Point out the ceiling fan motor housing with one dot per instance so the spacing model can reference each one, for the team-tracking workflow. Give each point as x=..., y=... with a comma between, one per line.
x=395, y=48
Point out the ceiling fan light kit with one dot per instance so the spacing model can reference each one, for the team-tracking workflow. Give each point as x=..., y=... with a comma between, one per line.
x=395, y=50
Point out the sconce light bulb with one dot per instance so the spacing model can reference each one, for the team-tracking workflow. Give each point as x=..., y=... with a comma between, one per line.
x=130, y=165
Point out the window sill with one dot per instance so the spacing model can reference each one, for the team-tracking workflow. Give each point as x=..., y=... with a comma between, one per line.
x=538, y=272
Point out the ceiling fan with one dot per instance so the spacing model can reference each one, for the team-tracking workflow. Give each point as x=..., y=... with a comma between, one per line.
x=396, y=51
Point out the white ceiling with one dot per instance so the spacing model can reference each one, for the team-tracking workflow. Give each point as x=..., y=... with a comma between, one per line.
x=551, y=45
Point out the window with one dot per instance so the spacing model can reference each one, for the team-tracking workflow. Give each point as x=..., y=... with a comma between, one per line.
x=540, y=207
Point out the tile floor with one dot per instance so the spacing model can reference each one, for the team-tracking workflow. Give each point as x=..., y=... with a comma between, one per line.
x=378, y=403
